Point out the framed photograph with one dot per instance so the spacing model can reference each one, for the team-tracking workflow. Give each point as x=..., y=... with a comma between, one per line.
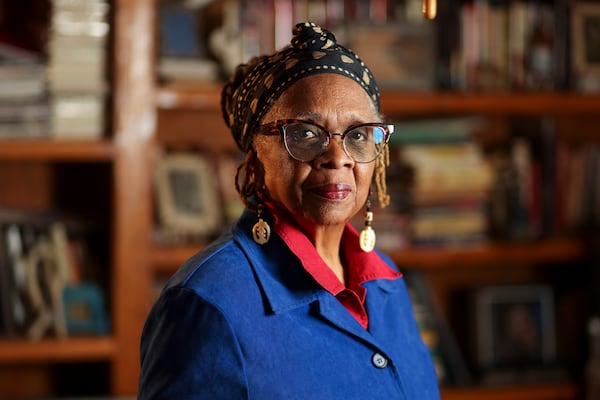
x=187, y=194
x=585, y=45
x=401, y=56
x=515, y=326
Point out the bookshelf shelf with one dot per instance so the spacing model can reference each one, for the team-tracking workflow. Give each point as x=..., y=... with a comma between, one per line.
x=495, y=103
x=57, y=350
x=556, y=391
x=490, y=254
x=52, y=150
x=167, y=259
x=419, y=103
x=195, y=97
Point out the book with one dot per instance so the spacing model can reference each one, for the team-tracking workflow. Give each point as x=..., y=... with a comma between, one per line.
x=183, y=54
x=28, y=119
x=443, y=168
x=37, y=267
x=77, y=115
x=448, y=358
x=7, y=288
x=76, y=70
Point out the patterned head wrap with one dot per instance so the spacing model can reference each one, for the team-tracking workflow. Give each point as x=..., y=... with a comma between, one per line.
x=255, y=86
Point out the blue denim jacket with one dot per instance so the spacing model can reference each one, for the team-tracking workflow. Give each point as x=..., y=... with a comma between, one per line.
x=244, y=321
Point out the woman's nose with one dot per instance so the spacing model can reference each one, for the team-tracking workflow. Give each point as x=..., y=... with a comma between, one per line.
x=335, y=155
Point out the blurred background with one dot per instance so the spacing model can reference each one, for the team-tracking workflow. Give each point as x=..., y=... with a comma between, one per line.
x=116, y=166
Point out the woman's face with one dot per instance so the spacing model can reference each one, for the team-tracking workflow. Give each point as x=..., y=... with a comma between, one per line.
x=332, y=188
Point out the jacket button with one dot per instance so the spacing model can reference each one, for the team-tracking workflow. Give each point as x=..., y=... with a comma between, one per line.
x=379, y=361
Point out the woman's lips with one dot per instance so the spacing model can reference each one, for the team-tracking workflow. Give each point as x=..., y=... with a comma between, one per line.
x=333, y=191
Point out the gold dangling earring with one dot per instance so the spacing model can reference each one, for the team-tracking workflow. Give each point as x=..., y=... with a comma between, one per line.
x=367, y=235
x=261, y=231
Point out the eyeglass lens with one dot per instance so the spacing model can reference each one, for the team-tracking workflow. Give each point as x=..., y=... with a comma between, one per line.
x=305, y=141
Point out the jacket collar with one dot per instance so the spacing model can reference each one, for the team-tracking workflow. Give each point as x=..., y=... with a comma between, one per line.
x=286, y=286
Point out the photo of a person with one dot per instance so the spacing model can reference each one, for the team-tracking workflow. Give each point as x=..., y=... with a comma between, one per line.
x=519, y=334
x=515, y=326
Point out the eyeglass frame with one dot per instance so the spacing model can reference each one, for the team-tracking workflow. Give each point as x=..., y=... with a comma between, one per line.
x=280, y=125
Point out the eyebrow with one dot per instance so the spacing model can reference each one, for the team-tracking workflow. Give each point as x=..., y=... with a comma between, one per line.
x=316, y=117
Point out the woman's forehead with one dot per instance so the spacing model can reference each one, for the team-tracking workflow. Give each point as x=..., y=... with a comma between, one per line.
x=315, y=96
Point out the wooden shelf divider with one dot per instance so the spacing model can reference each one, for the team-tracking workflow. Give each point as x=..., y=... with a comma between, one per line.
x=86, y=348
x=552, y=391
x=56, y=150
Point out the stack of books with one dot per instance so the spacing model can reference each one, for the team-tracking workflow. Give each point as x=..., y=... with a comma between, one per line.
x=23, y=102
x=76, y=68
x=451, y=180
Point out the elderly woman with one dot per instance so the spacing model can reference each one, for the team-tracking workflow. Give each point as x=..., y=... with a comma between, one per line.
x=291, y=302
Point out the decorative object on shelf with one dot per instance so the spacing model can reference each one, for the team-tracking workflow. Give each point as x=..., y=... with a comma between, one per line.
x=85, y=311
x=585, y=34
x=429, y=9
x=541, y=54
x=515, y=334
x=187, y=195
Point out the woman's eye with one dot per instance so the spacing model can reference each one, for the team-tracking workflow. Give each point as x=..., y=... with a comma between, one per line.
x=306, y=133
x=358, y=135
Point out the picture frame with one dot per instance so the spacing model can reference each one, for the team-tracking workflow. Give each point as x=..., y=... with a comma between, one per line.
x=585, y=45
x=514, y=326
x=187, y=194
x=401, y=56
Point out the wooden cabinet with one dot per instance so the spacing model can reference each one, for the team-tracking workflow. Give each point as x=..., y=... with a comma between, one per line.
x=107, y=180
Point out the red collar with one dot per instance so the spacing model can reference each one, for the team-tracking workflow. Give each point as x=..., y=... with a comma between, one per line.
x=361, y=267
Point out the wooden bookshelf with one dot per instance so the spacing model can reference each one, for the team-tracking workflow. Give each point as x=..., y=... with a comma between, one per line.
x=46, y=174
x=190, y=116
x=53, y=150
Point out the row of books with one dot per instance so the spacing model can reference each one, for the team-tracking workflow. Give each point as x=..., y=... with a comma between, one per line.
x=509, y=45
x=472, y=45
x=24, y=108
x=62, y=95
x=448, y=189
x=46, y=280
x=76, y=68
x=199, y=43
x=439, y=181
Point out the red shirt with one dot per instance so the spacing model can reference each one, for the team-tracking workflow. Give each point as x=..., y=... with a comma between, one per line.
x=361, y=267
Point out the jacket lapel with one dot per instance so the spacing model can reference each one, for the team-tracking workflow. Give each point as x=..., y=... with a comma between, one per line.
x=287, y=286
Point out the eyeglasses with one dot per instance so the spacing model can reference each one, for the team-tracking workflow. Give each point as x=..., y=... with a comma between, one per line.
x=305, y=141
